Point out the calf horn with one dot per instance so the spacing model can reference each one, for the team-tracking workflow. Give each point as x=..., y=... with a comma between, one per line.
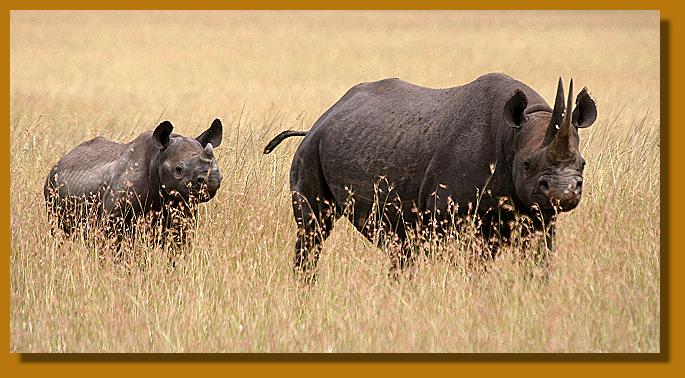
x=208, y=151
x=562, y=147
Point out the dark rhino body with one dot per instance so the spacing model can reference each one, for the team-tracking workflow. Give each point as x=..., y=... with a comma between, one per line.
x=429, y=148
x=116, y=183
x=407, y=134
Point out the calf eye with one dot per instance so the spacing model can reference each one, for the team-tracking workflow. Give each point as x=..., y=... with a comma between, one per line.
x=179, y=169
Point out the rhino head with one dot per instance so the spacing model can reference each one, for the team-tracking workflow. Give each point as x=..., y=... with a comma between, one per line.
x=186, y=167
x=548, y=167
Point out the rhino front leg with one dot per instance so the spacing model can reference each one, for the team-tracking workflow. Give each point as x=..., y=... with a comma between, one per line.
x=546, y=250
x=542, y=253
x=172, y=229
x=550, y=237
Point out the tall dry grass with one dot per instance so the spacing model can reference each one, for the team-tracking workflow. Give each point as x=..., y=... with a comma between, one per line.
x=78, y=75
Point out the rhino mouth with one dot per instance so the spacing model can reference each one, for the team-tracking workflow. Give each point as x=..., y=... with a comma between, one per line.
x=204, y=195
x=561, y=202
x=564, y=204
x=194, y=195
x=204, y=192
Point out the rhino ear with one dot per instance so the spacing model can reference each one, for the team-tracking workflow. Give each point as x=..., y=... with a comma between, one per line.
x=212, y=134
x=515, y=109
x=160, y=136
x=585, y=112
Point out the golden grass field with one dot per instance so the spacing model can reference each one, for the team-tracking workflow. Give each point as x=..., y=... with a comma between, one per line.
x=75, y=76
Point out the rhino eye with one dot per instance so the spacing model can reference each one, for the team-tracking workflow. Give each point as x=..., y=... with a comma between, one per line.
x=178, y=170
x=526, y=165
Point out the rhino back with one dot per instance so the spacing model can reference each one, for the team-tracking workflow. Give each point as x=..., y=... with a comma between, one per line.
x=418, y=138
x=87, y=167
x=104, y=168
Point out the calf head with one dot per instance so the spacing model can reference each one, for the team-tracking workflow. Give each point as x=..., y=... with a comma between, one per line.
x=186, y=166
x=548, y=167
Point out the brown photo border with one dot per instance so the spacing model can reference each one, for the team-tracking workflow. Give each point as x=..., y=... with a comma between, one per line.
x=667, y=361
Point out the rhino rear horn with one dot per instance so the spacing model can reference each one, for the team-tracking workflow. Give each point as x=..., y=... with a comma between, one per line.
x=212, y=135
x=160, y=136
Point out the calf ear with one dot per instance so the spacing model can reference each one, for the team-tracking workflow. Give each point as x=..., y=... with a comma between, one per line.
x=515, y=109
x=585, y=112
x=212, y=134
x=160, y=136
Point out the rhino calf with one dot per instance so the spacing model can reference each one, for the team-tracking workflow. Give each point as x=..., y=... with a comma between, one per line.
x=158, y=174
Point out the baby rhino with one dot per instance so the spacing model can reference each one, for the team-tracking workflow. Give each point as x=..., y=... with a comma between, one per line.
x=158, y=175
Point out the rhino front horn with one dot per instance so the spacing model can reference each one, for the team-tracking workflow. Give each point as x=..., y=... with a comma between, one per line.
x=208, y=151
x=557, y=115
x=562, y=147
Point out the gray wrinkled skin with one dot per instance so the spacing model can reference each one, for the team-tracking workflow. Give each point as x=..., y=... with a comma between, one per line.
x=155, y=174
x=433, y=147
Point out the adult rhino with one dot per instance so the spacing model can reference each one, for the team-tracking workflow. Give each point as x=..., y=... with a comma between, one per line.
x=472, y=145
x=159, y=174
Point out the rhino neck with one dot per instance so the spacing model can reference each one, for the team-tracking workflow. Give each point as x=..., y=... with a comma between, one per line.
x=502, y=182
x=155, y=196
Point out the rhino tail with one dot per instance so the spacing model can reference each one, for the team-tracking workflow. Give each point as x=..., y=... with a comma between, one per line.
x=279, y=138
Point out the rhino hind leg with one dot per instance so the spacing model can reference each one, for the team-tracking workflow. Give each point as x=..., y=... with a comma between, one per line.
x=402, y=259
x=315, y=216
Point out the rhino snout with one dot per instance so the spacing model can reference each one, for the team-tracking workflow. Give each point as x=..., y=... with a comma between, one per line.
x=564, y=192
x=211, y=182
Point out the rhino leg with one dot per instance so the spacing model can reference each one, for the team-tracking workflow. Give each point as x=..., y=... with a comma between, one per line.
x=401, y=260
x=539, y=252
x=550, y=235
x=545, y=252
x=315, y=211
x=315, y=216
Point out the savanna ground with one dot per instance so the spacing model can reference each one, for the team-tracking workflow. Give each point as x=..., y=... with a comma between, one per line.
x=75, y=76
